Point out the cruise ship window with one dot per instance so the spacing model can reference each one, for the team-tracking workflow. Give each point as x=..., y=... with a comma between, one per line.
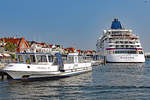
x=126, y=42
x=140, y=52
x=116, y=52
x=110, y=41
x=127, y=46
x=110, y=45
x=117, y=41
x=121, y=41
x=131, y=46
x=110, y=52
x=122, y=46
x=117, y=46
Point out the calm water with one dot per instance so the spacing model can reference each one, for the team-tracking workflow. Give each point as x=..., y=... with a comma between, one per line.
x=111, y=82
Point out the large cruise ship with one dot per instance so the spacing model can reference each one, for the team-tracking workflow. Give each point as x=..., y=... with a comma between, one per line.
x=119, y=45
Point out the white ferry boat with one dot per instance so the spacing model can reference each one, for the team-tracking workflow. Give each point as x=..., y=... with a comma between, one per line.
x=44, y=65
x=119, y=45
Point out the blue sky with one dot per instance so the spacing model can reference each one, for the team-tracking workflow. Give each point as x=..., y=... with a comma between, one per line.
x=76, y=23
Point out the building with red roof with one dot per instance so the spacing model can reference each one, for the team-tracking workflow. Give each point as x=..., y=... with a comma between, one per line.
x=20, y=43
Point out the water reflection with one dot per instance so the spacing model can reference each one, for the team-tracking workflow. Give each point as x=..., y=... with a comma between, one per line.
x=54, y=89
x=116, y=74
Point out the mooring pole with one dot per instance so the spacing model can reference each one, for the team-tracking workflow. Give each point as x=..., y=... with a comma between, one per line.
x=104, y=60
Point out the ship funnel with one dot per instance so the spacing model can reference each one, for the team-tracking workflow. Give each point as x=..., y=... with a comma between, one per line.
x=116, y=24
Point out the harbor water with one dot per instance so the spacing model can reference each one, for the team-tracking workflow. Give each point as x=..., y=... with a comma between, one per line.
x=127, y=81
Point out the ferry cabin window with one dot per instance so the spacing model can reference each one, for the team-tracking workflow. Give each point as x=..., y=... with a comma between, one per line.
x=27, y=59
x=81, y=59
x=20, y=58
x=76, y=59
x=32, y=58
x=50, y=58
x=54, y=61
x=41, y=58
x=64, y=59
x=70, y=60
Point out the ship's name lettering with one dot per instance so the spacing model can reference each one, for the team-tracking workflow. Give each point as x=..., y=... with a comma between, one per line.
x=41, y=68
x=127, y=57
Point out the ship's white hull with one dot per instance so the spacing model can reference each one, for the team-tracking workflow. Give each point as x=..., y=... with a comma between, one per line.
x=21, y=71
x=45, y=74
x=125, y=58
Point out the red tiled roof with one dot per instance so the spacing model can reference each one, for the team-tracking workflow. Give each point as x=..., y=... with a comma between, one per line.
x=13, y=40
x=79, y=51
x=88, y=52
x=17, y=41
x=69, y=49
x=50, y=45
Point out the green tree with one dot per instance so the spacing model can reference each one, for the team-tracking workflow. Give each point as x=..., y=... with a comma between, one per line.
x=10, y=47
x=13, y=56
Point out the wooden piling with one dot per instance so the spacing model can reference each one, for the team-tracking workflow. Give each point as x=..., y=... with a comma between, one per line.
x=104, y=60
x=3, y=75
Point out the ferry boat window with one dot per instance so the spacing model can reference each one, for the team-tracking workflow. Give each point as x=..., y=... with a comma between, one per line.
x=41, y=58
x=64, y=58
x=27, y=59
x=54, y=61
x=75, y=59
x=70, y=60
x=32, y=58
x=81, y=59
x=20, y=58
x=50, y=58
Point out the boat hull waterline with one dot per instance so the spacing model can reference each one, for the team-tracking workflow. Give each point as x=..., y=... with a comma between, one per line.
x=43, y=74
